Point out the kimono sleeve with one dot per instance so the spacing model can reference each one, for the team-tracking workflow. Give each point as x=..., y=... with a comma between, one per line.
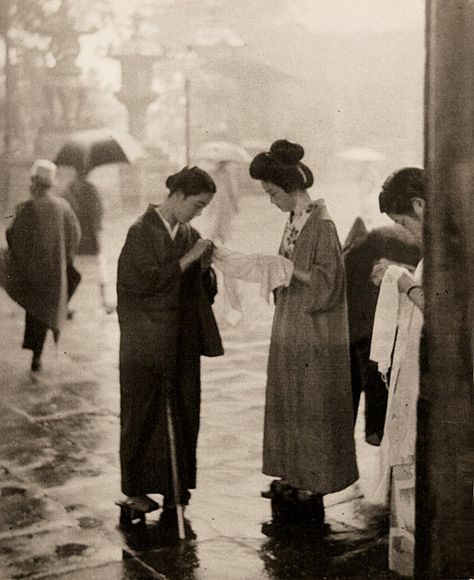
x=140, y=272
x=326, y=288
x=209, y=283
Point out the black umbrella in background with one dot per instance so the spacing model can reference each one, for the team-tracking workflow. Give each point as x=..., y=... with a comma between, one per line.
x=86, y=150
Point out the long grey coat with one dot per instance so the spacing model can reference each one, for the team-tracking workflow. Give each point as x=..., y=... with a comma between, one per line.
x=308, y=434
x=42, y=241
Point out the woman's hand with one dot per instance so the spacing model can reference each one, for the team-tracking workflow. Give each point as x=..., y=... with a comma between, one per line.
x=206, y=258
x=200, y=248
x=302, y=276
x=379, y=269
x=412, y=289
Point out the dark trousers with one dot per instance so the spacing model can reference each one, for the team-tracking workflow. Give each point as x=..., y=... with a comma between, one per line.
x=35, y=330
x=35, y=335
x=365, y=377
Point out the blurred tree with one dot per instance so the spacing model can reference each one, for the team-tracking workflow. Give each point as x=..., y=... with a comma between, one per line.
x=46, y=42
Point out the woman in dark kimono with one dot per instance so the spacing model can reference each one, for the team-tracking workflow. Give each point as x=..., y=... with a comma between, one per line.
x=308, y=432
x=165, y=289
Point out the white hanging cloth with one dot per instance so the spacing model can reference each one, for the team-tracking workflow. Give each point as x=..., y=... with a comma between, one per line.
x=386, y=320
x=268, y=271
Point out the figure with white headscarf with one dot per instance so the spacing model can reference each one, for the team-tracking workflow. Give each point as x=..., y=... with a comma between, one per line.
x=40, y=276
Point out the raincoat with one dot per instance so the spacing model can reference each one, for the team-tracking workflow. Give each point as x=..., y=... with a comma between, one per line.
x=42, y=241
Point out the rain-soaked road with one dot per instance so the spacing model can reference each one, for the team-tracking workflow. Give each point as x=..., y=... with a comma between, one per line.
x=59, y=473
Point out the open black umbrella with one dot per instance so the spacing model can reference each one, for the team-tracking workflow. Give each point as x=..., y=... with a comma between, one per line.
x=88, y=149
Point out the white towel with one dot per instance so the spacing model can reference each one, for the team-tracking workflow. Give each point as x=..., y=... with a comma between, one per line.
x=269, y=272
x=386, y=319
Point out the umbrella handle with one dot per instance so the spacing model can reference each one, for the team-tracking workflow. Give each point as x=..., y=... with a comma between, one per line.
x=174, y=470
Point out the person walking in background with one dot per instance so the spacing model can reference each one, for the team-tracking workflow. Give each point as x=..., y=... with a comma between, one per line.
x=308, y=433
x=42, y=243
x=362, y=251
x=165, y=288
x=403, y=199
x=86, y=202
x=225, y=205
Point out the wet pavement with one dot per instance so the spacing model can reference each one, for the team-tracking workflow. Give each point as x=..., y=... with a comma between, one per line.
x=59, y=471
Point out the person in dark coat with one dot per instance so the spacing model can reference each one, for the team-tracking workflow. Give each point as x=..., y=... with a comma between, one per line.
x=362, y=251
x=165, y=288
x=86, y=202
x=42, y=241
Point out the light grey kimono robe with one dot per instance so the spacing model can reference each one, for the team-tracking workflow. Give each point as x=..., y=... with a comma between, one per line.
x=308, y=433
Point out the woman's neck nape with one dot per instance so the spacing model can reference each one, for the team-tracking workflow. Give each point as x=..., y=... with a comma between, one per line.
x=302, y=199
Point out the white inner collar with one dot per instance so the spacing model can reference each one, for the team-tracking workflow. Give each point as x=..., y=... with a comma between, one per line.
x=172, y=231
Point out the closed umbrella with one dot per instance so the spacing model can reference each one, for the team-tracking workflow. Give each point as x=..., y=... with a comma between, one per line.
x=86, y=150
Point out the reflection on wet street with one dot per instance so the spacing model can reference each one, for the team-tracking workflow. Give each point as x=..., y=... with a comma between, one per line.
x=59, y=471
x=285, y=553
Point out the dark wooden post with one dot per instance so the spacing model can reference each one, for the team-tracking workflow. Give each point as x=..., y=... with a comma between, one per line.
x=445, y=456
x=8, y=109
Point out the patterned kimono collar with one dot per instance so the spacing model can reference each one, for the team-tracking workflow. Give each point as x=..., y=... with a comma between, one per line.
x=294, y=217
x=296, y=223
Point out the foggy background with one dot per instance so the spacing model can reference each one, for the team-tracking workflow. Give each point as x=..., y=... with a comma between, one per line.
x=342, y=77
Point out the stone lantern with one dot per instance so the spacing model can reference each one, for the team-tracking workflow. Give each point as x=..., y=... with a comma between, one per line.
x=65, y=95
x=137, y=58
x=136, y=92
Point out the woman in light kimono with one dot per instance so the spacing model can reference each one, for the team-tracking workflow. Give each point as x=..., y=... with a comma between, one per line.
x=403, y=199
x=308, y=433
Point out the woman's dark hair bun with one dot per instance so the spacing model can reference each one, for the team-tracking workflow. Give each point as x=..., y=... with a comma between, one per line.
x=286, y=152
x=282, y=166
x=191, y=181
x=173, y=181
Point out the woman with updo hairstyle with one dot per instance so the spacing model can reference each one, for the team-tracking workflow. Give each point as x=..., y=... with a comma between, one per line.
x=308, y=432
x=165, y=289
